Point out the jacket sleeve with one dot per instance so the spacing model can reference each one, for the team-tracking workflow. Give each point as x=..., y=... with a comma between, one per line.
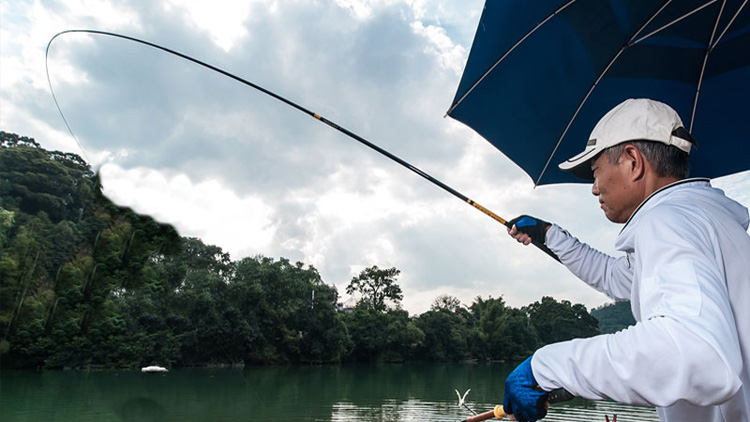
x=609, y=275
x=645, y=364
x=685, y=347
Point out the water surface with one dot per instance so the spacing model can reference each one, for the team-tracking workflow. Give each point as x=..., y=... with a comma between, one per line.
x=382, y=393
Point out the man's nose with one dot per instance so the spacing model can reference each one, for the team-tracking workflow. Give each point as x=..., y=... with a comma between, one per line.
x=595, y=188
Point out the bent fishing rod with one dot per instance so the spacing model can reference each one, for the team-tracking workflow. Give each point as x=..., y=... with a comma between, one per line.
x=318, y=117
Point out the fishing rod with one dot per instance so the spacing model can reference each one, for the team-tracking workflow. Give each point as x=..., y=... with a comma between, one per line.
x=317, y=116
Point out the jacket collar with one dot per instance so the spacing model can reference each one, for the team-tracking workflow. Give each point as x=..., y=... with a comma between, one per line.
x=662, y=189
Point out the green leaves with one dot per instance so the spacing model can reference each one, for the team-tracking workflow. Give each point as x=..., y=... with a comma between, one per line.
x=559, y=321
x=377, y=288
x=614, y=317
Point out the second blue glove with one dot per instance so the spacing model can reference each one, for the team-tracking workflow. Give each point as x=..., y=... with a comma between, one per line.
x=523, y=397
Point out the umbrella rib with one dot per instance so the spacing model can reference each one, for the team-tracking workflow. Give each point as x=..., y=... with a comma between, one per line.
x=528, y=34
x=673, y=22
x=731, y=21
x=588, y=94
x=709, y=48
x=580, y=106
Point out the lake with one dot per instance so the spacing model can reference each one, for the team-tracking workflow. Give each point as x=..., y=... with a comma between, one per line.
x=383, y=393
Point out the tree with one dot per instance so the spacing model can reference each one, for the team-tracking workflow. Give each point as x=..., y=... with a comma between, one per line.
x=403, y=337
x=447, y=302
x=614, y=317
x=68, y=259
x=517, y=337
x=377, y=287
x=368, y=329
x=34, y=180
x=6, y=222
x=445, y=336
x=559, y=321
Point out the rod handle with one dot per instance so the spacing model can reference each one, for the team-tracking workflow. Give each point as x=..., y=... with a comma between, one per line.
x=497, y=413
x=560, y=395
x=538, y=244
x=554, y=396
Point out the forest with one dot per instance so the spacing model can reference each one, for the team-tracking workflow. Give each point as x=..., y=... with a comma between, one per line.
x=85, y=283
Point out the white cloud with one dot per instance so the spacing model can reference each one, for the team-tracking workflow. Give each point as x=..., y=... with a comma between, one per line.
x=207, y=209
x=360, y=9
x=450, y=56
x=26, y=29
x=224, y=21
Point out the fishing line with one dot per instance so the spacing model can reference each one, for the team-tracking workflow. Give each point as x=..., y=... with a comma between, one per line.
x=54, y=97
x=283, y=100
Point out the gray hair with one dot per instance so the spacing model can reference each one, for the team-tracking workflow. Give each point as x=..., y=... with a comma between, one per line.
x=667, y=161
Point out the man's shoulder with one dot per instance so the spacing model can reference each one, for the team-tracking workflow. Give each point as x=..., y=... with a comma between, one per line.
x=669, y=205
x=691, y=210
x=668, y=216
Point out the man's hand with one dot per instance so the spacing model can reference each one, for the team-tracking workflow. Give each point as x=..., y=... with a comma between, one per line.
x=526, y=229
x=523, y=397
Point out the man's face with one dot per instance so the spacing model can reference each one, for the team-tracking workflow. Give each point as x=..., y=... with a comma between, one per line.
x=612, y=186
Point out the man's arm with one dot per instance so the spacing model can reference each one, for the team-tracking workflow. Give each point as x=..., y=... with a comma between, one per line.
x=686, y=346
x=609, y=275
x=604, y=273
x=654, y=363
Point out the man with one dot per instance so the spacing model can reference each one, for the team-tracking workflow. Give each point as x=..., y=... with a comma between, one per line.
x=686, y=271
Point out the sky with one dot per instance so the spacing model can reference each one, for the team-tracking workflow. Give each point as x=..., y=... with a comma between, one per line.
x=237, y=169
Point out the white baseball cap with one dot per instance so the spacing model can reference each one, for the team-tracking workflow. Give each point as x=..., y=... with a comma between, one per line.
x=632, y=120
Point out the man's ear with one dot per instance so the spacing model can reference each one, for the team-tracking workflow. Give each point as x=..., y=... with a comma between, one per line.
x=636, y=162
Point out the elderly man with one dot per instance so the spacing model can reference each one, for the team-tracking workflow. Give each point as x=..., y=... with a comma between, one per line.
x=686, y=271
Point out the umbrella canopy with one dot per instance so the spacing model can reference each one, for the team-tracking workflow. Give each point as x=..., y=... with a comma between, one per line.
x=540, y=74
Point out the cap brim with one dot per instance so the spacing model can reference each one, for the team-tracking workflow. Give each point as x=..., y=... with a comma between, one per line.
x=580, y=165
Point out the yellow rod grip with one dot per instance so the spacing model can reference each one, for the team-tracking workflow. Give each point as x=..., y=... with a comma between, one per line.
x=499, y=412
x=486, y=211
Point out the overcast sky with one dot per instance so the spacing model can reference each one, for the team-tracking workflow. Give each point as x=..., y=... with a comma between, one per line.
x=225, y=163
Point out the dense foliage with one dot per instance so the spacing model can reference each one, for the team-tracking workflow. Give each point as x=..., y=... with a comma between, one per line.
x=614, y=317
x=86, y=283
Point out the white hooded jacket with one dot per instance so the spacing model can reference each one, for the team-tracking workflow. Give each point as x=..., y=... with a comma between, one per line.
x=687, y=275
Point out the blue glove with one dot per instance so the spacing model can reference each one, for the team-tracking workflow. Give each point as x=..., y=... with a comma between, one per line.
x=534, y=227
x=523, y=397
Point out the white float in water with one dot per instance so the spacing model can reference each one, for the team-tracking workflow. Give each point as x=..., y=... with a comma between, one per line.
x=153, y=369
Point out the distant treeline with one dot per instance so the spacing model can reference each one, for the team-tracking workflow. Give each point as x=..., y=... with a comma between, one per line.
x=86, y=283
x=614, y=317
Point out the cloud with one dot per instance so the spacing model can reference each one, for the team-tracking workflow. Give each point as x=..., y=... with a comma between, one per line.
x=207, y=209
x=225, y=24
x=226, y=163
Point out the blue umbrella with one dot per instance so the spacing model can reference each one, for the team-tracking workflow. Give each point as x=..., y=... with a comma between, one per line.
x=541, y=73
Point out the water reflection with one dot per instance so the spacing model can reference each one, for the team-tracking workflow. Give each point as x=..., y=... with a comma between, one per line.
x=327, y=393
x=141, y=409
x=596, y=411
x=417, y=410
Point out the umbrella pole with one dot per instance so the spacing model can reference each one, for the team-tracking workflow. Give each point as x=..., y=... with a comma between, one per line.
x=285, y=101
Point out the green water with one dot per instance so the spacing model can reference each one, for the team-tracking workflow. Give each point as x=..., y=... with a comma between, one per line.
x=326, y=393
